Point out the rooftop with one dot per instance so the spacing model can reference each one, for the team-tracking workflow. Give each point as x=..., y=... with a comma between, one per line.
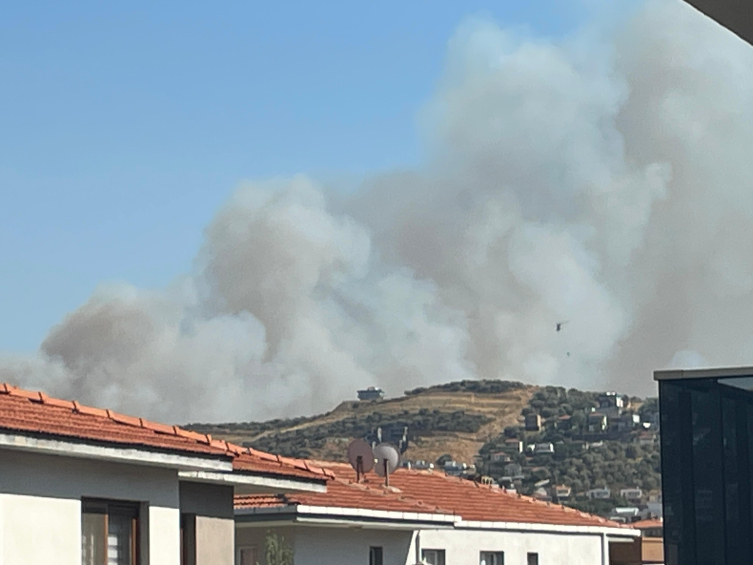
x=719, y=372
x=432, y=492
x=37, y=414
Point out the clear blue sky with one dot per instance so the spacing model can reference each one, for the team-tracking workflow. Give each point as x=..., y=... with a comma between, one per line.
x=123, y=126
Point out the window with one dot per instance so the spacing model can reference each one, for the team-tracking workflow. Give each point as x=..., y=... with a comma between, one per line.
x=247, y=556
x=375, y=556
x=492, y=558
x=433, y=556
x=188, y=539
x=533, y=559
x=109, y=533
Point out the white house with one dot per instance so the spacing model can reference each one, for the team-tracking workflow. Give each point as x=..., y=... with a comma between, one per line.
x=599, y=493
x=422, y=515
x=81, y=485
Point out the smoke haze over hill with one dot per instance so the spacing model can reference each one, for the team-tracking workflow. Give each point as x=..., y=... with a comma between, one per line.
x=603, y=179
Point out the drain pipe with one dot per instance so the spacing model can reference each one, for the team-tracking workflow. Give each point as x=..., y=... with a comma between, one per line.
x=604, y=549
x=418, y=547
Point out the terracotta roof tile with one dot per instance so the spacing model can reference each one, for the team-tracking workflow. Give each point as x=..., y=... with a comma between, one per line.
x=435, y=490
x=343, y=494
x=35, y=412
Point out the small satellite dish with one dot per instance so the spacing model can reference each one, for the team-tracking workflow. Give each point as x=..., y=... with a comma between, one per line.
x=361, y=457
x=387, y=460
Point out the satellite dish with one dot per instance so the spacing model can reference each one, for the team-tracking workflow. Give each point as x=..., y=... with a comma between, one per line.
x=361, y=457
x=387, y=460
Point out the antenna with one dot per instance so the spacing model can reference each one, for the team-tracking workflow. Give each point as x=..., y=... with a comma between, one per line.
x=361, y=457
x=387, y=459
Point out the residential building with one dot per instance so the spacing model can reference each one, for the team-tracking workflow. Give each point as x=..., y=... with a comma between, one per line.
x=533, y=422
x=646, y=439
x=514, y=470
x=564, y=423
x=707, y=430
x=562, y=492
x=86, y=485
x=370, y=394
x=631, y=493
x=625, y=514
x=423, y=515
x=646, y=550
x=599, y=493
x=611, y=404
x=624, y=423
x=596, y=422
x=513, y=446
x=543, y=449
x=500, y=457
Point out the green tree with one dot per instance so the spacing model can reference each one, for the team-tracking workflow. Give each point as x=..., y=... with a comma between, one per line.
x=277, y=550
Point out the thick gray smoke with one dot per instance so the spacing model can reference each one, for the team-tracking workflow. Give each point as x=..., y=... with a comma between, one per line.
x=604, y=180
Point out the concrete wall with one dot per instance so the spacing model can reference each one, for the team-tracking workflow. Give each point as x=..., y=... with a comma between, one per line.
x=213, y=528
x=462, y=547
x=346, y=546
x=40, y=506
x=333, y=546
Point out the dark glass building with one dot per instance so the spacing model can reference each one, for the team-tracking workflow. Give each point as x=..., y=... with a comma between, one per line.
x=707, y=465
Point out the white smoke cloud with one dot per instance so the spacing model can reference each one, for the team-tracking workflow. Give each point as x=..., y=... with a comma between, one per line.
x=603, y=180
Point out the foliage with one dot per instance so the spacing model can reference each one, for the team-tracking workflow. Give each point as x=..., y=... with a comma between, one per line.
x=306, y=441
x=478, y=387
x=277, y=550
x=614, y=459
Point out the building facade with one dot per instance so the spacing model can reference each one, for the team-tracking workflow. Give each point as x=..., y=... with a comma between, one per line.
x=86, y=486
x=707, y=464
x=427, y=516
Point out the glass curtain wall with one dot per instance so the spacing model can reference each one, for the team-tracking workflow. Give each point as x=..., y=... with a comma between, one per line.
x=707, y=444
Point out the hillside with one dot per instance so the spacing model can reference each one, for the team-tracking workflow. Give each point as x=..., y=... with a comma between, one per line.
x=526, y=437
x=450, y=419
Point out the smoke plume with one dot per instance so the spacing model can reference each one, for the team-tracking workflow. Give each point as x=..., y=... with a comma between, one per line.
x=603, y=179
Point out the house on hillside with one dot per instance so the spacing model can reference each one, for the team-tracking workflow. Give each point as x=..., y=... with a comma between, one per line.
x=631, y=494
x=562, y=492
x=543, y=449
x=599, y=493
x=647, y=439
x=533, y=422
x=596, y=422
x=625, y=423
x=86, y=485
x=612, y=404
x=370, y=394
x=513, y=446
x=500, y=457
x=422, y=516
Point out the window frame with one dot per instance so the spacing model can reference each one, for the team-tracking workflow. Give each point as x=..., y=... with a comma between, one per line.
x=374, y=551
x=497, y=559
x=534, y=555
x=442, y=559
x=254, y=549
x=108, y=508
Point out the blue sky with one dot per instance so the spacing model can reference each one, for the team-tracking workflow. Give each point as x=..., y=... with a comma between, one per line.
x=123, y=126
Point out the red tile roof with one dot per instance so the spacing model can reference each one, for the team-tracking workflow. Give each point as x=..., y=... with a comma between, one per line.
x=34, y=412
x=647, y=524
x=438, y=492
x=342, y=493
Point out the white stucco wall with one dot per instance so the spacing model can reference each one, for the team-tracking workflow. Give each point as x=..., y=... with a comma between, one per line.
x=346, y=546
x=40, y=506
x=332, y=546
x=462, y=547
